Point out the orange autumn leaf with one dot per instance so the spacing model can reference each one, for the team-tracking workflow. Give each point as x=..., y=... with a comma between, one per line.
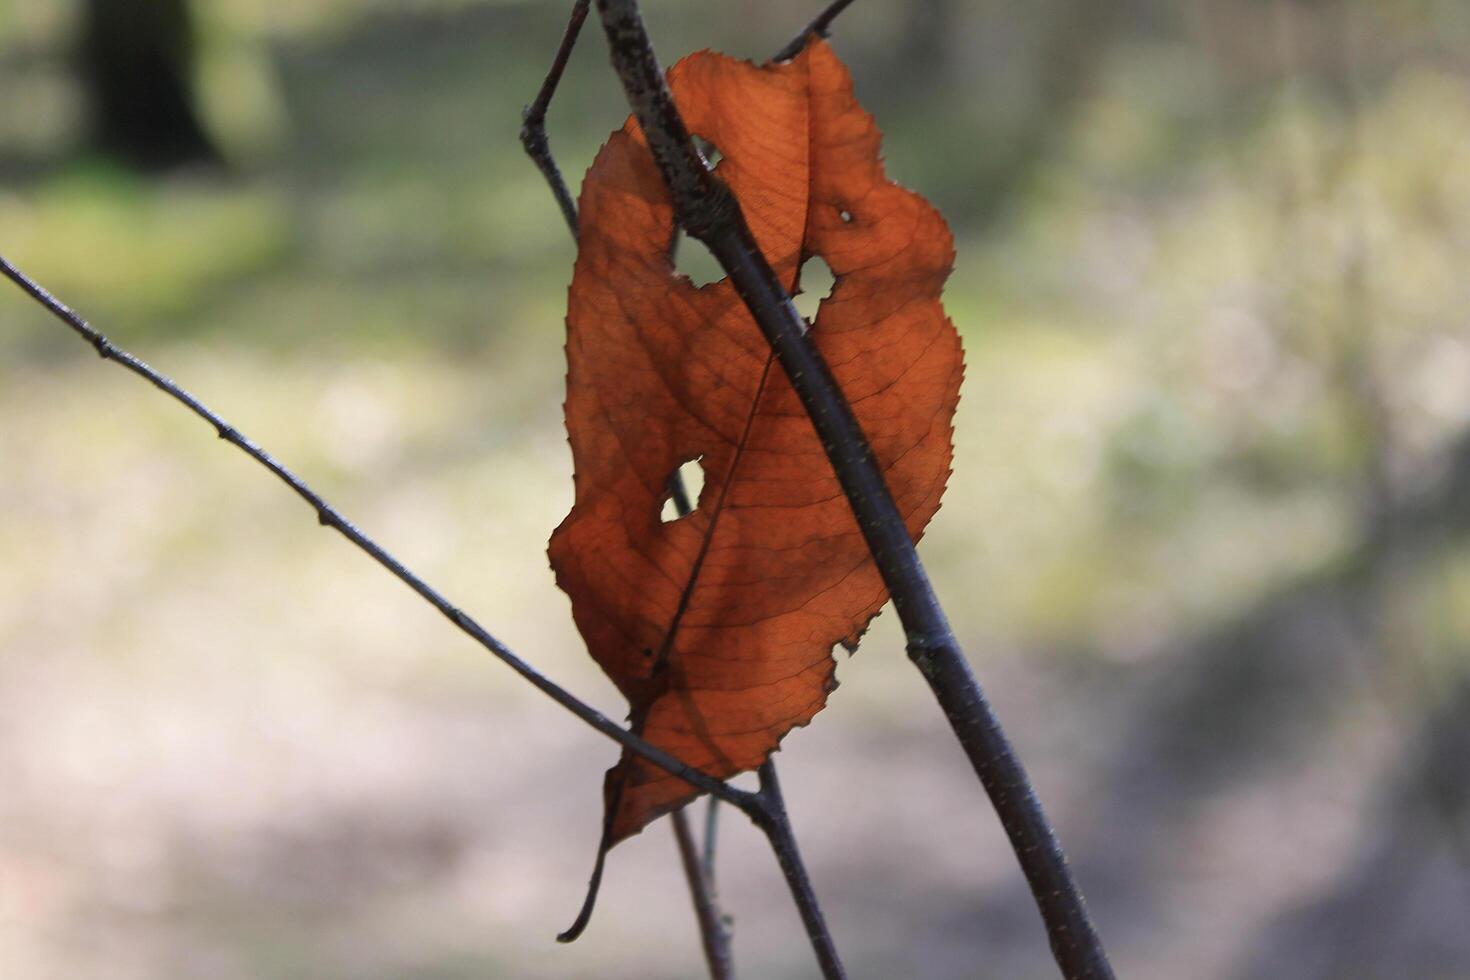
x=719, y=627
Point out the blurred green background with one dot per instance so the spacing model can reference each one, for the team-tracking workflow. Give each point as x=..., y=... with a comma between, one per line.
x=1206, y=539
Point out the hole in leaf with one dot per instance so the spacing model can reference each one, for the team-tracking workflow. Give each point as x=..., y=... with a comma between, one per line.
x=693, y=261
x=691, y=475
x=813, y=285
x=712, y=154
x=845, y=215
x=688, y=257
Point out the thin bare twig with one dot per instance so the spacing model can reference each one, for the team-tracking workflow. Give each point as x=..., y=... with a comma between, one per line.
x=711, y=835
x=329, y=516
x=783, y=842
x=707, y=210
x=533, y=127
x=820, y=26
x=714, y=931
x=755, y=805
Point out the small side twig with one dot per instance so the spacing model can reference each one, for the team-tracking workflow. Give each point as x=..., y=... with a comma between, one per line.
x=711, y=835
x=533, y=119
x=707, y=210
x=714, y=931
x=820, y=26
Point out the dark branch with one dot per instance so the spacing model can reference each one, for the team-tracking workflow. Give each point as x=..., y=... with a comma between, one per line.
x=708, y=211
x=820, y=26
x=328, y=516
x=533, y=128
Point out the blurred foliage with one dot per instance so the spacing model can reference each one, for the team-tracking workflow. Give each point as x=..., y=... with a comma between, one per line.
x=1212, y=282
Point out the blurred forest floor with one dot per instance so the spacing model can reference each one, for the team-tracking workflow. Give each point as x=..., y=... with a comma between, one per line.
x=1205, y=540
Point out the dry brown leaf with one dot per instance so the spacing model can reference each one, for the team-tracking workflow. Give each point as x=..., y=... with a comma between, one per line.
x=719, y=627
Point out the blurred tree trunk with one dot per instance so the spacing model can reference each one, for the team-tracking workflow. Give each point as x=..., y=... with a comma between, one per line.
x=136, y=61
